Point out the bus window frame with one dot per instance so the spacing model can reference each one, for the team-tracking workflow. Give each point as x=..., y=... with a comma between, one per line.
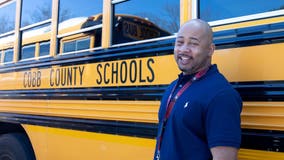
x=118, y=1
x=1, y=57
x=6, y=34
x=6, y=2
x=42, y=23
x=144, y=41
x=59, y=36
x=79, y=38
x=251, y=17
x=81, y=51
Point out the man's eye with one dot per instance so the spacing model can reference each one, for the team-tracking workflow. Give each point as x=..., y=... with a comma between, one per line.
x=193, y=43
x=179, y=43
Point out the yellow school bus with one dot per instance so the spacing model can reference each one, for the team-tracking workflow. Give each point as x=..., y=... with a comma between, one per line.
x=84, y=79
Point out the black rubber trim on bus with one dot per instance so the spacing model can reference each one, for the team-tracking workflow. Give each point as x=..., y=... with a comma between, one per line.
x=135, y=129
x=249, y=91
x=260, y=90
x=103, y=93
x=267, y=140
x=250, y=36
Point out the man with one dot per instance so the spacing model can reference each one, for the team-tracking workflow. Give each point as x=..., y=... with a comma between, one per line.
x=199, y=116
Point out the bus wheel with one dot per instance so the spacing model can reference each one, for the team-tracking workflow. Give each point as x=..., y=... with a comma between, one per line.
x=15, y=146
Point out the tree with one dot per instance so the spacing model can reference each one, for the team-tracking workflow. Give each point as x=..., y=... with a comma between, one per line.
x=43, y=12
x=168, y=19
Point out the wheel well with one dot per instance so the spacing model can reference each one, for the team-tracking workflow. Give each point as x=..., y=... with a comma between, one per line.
x=11, y=127
x=6, y=128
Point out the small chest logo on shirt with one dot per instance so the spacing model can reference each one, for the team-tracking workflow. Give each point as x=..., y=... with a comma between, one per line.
x=186, y=105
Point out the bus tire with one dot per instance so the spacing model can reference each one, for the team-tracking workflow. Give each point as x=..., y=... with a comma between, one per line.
x=15, y=146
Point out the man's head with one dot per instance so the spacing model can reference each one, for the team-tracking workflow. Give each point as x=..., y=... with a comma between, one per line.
x=194, y=46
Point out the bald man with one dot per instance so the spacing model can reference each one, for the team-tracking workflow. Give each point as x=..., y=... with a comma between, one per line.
x=199, y=115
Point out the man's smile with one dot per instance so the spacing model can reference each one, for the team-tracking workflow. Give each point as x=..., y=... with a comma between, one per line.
x=184, y=59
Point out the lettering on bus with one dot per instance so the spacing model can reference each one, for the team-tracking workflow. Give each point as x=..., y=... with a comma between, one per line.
x=66, y=76
x=58, y=77
x=113, y=73
x=125, y=72
x=139, y=32
x=32, y=79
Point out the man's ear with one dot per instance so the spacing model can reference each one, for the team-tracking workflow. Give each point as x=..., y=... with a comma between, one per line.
x=211, y=49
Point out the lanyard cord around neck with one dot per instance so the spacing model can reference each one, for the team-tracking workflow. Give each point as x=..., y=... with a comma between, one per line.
x=171, y=102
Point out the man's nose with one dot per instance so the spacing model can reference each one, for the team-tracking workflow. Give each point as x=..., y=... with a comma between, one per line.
x=184, y=48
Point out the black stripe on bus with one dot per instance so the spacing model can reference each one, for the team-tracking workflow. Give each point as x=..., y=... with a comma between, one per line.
x=249, y=91
x=260, y=90
x=250, y=36
x=135, y=129
x=103, y=93
x=267, y=140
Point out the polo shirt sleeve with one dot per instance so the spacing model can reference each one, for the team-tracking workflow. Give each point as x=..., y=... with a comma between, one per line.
x=223, y=123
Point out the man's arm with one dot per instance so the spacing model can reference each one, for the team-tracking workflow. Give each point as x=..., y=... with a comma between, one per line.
x=224, y=153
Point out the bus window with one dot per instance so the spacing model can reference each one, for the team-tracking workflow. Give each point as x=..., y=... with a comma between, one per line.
x=8, y=55
x=69, y=46
x=7, y=17
x=7, y=27
x=83, y=44
x=34, y=25
x=28, y=52
x=155, y=19
x=75, y=25
x=35, y=11
x=44, y=49
x=0, y=57
x=213, y=10
x=76, y=45
x=87, y=8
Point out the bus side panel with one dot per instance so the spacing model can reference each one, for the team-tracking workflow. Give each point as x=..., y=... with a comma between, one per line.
x=37, y=136
x=74, y=145
x=255, y=63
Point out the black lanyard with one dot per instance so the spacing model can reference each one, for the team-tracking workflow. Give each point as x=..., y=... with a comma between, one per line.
x=171, y=102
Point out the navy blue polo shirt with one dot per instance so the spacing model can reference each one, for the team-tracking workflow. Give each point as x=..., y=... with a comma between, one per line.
x=206, y=115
